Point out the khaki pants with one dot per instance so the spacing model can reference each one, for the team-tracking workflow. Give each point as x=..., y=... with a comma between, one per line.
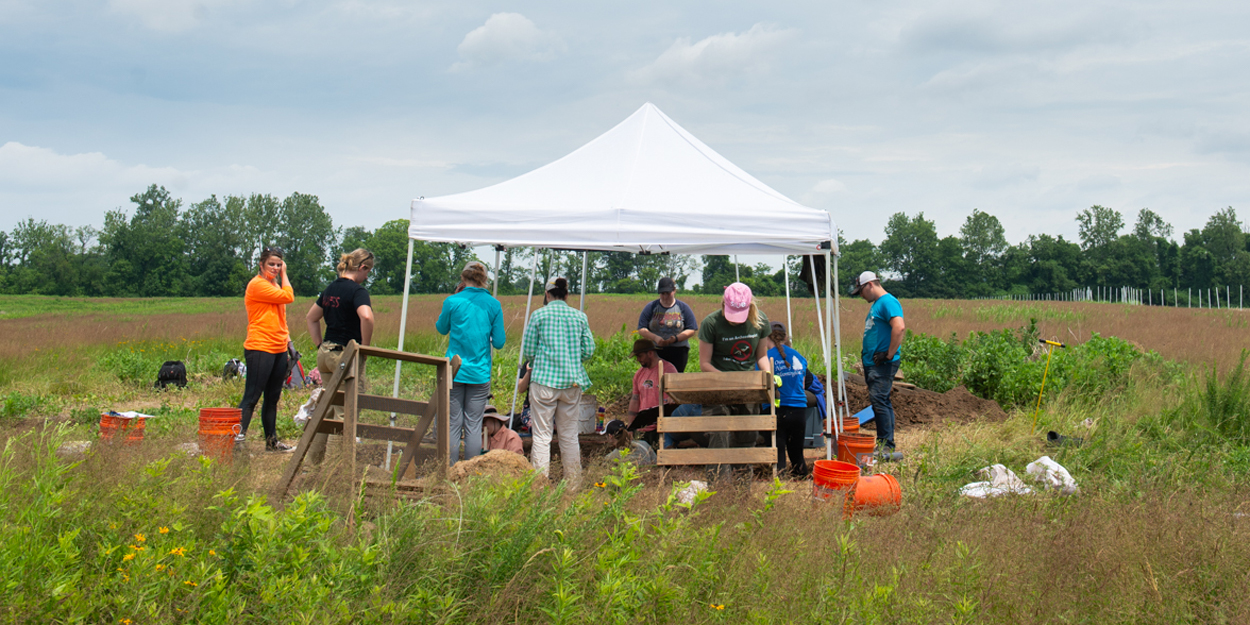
x=328, y=361
x=556, y=407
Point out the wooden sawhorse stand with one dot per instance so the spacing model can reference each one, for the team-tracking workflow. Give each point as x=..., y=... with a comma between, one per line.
x=343, y=391
x=719, y=387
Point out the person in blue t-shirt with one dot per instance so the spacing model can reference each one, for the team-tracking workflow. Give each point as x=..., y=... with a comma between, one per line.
x=883, y=338
x=790, y=366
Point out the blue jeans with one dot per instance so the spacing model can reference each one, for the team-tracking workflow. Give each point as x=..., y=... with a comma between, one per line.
x=468, y=404
x=880, y=379
x=686, y=410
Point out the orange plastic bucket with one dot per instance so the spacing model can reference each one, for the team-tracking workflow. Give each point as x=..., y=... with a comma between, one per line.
x=878, y=494
x=218, y=427
x=113, y=427
x=857, y=448
x=835, y=479
x=850, y=424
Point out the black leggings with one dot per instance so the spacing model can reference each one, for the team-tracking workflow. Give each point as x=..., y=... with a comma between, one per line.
x=676, y=356
x=791, y=430
x=265, y=374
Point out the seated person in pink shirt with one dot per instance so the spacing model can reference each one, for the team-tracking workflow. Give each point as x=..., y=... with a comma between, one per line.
x=498, y=434
x=645, y=401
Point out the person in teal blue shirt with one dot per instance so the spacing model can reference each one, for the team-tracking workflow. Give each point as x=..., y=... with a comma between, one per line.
x=473, y=320
x=883, y=341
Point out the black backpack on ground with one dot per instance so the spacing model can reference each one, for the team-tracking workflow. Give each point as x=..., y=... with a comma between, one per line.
x=172, y=372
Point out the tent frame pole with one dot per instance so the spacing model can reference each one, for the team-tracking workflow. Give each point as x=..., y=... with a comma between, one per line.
x=495, y=287
x=403, y=325
x=832, y=318
x=520, y=358
x=585, y=260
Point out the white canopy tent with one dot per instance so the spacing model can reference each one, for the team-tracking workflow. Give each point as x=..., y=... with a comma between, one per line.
x=646, y=186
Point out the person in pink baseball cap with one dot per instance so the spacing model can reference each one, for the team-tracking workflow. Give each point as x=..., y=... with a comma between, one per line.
x=734, y=338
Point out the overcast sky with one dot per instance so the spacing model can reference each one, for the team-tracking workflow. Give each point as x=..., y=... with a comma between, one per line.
x=1028, y=111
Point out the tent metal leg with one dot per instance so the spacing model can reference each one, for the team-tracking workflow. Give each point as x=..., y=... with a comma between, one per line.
x=832, y=411
x=585, y=262
x=836, y=320
x=529, y=300
x=495, y=287
x=403, y=325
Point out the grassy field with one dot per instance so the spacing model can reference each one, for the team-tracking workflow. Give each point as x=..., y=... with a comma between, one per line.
x=1160, y=532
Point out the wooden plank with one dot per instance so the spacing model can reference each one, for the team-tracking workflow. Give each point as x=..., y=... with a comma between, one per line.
x=722, y=423
x=382, y=403
x=743, y=455
x=390, y=354
x=368, y=431
x=310, y=429
x=351, y=415
x=418, y=434
x=443, y=418
x=717, y=380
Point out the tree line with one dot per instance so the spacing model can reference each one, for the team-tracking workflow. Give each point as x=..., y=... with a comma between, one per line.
x=160, y=248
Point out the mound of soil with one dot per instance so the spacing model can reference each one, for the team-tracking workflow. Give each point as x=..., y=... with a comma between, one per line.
x=495, y=463
x=913, y=406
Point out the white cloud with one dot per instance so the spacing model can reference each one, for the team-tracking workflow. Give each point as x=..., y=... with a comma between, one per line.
x=716, y=58
x=506, y=37
x=85, y=185
x=169, y=15
x=829, y=186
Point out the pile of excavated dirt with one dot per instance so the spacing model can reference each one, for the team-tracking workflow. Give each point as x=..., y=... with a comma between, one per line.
x=617, y=409
x=494, y=463
x=915, y=406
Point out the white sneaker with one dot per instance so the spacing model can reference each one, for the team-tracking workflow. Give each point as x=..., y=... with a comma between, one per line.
x=239, y=439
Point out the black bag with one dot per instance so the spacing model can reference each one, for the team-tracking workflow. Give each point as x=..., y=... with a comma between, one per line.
x=233, y=369
x=172, y=372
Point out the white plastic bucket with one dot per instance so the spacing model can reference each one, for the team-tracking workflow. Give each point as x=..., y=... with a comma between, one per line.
x=587, y=414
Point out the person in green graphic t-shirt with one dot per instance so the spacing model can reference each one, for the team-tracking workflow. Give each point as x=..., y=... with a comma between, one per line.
x=734, y=338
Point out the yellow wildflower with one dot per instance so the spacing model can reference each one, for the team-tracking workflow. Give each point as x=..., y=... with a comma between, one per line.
x=128, y=557
x=125, y=621
x=718, y=606
x=164, y=530
x=140, y=538
x=211, y=552
x=137, y=548
x=178, y=551
x=160, y=567
x=191, y=583
x=601, y=485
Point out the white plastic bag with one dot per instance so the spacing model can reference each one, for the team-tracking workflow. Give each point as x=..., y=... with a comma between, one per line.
x=306, y=411
x=1052, y=475
x=1000, y=481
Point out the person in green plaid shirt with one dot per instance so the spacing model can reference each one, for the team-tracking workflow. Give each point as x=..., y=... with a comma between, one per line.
x=557, y=340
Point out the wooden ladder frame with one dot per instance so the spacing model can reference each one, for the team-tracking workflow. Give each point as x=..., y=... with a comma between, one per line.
x=743, y=387
x=343, y=390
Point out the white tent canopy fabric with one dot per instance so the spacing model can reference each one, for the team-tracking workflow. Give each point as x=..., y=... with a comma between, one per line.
x=646, y=185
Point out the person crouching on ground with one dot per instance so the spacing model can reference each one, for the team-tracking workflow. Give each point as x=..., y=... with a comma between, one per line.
x=883, y=340
x=497, y=433
x=558, y=341
x=644, y=402
x=790, y=366
x=625, y=446
x=734, y=338
x=265, y=349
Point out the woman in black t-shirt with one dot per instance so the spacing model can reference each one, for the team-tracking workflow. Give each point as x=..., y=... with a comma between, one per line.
x=345, y=306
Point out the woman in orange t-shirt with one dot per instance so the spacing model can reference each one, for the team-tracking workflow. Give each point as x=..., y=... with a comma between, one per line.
x=265, y=350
